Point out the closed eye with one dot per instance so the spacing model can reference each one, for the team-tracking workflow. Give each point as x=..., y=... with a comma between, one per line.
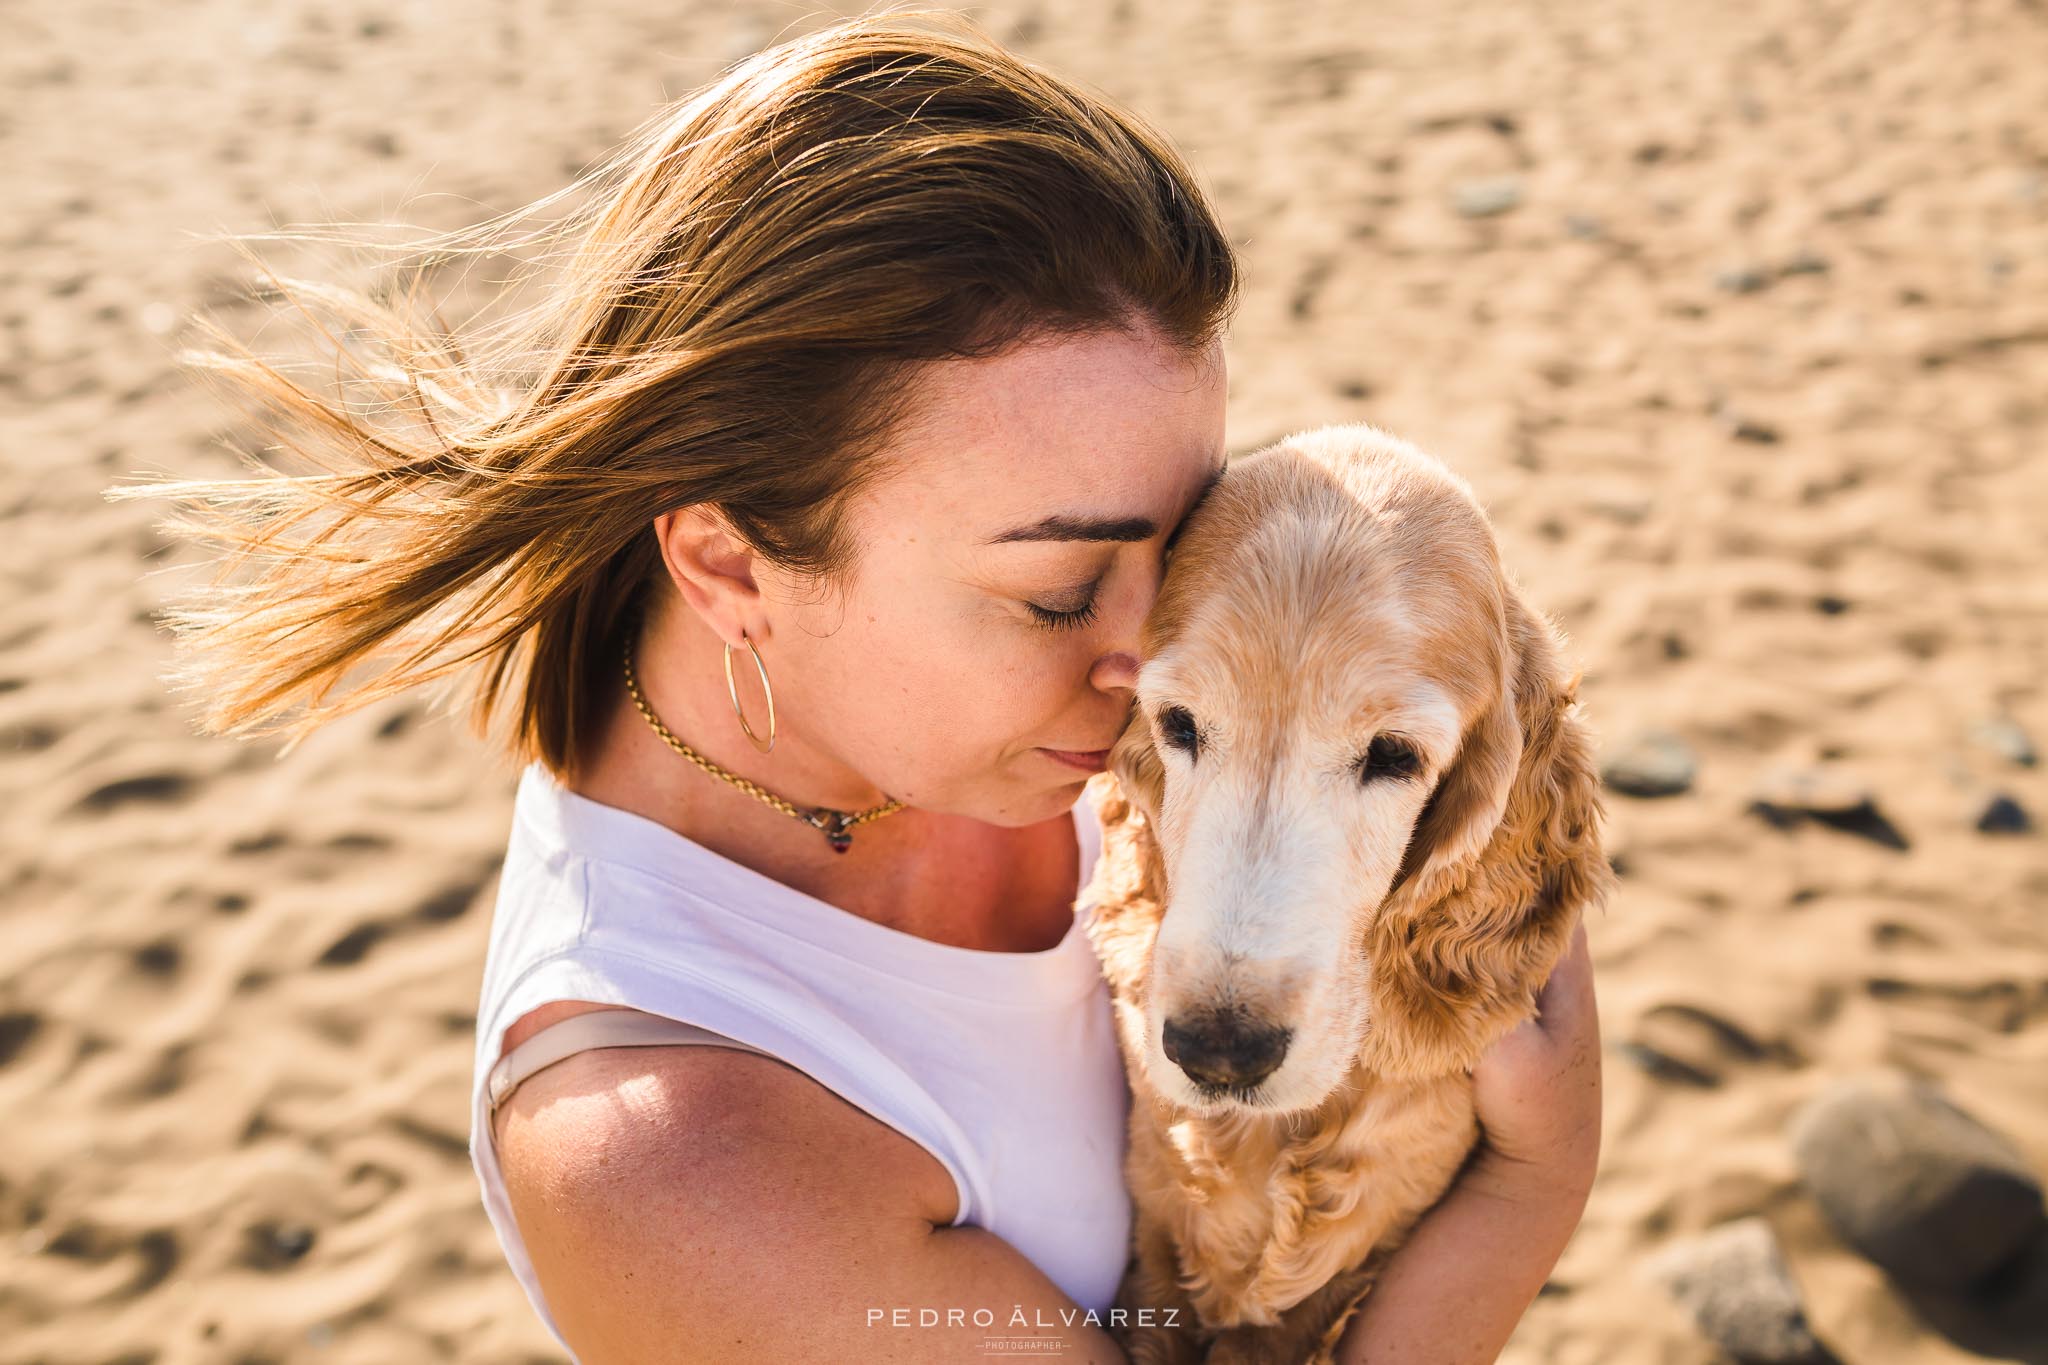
x=1059, y=618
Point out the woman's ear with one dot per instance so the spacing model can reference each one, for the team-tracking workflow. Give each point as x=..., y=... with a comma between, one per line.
x=712, y=570
x=1459, y=950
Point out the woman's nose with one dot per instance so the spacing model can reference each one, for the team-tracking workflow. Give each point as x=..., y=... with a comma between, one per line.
x=1123, y=651
x=1117, y=671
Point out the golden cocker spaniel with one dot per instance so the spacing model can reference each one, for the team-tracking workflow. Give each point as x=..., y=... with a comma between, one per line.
x=1347, y=833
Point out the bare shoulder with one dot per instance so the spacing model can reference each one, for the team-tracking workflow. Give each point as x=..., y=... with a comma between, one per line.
x=659, y=1112
x=656, y=1189
x=708, y=1205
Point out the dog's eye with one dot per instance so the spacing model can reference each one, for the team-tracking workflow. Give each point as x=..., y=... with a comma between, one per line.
x=1387, y=756
x=1177, y=727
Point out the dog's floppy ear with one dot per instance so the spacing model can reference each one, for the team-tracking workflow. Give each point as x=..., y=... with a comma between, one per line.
x=1469, y=801
x=1503, y=867
x=1134, y=758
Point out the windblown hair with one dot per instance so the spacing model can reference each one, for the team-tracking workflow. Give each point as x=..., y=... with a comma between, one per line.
x=743, y=299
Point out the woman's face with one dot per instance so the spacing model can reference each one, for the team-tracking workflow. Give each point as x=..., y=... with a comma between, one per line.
x=1006, y=563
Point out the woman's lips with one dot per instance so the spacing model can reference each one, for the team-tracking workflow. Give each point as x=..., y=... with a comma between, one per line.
x=1091, y=762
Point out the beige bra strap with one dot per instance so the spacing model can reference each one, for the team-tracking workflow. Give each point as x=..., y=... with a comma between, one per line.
x=598, y=1028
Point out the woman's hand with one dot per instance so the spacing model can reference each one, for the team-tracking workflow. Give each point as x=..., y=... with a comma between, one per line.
x=1537, y=1089
x=1456, y=1288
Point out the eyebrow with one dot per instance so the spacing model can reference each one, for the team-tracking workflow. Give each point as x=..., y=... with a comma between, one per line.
x=1061, y=527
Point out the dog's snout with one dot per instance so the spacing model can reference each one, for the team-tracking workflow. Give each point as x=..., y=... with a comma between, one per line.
x=1224, y=1049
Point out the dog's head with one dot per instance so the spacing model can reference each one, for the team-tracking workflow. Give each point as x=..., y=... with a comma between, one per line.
x=1354, y=806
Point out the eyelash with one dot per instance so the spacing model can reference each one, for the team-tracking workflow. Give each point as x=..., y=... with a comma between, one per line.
x=1067, y=620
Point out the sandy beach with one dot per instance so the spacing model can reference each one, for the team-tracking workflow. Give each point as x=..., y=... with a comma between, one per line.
x=1735, y=316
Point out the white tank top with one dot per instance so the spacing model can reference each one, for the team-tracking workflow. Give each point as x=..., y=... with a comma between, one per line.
x=1004, y=1066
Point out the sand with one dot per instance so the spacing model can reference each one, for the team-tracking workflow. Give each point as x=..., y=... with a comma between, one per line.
x=1736, y=316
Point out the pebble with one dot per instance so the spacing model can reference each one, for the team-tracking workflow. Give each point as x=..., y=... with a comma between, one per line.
x=2003, y=736
x=1486, y=198
x=1652, y=763
x=1742, y=279
x=1734, y=1281
x=1813, y=791
x=1749, y=429
x=1914, y=1183
x=2001, y=814
x=1804, y=263
x=1786, y=796
x=274, y=1245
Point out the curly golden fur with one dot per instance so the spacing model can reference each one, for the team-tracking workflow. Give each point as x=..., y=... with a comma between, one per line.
x=1357, y=779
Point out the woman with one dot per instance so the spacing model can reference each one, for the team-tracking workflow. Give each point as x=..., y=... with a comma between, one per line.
x=808, y=532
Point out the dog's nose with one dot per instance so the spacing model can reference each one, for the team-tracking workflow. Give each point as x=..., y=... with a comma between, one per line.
x=1222, y=1049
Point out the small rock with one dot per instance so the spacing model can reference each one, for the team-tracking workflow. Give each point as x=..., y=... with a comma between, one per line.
x=1486, y=198
x=1742, y=279
x=1652, y=763
x=1734, y=1281
x=1806, y=262
x=2003, y=736
x=1812, y=791
x=160, y=958
x=275, y=1245
x=1744, y=428
x=1914, y=1183
x=1584, y=226
x=2001, y=814
x=1787, y=796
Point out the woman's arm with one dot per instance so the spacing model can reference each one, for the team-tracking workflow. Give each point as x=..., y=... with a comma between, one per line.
x=705, y=1206
x=1455, y=1290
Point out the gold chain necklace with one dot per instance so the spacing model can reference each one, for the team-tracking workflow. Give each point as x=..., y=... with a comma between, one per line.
x=834, y=824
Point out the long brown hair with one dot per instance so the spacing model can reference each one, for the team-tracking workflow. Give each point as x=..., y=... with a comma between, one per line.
x=744, y=294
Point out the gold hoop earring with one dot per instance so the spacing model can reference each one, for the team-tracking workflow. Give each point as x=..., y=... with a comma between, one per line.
x=732, y=690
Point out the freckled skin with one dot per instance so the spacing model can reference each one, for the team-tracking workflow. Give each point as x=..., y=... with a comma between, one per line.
x=923, y=675
x=1111, y=424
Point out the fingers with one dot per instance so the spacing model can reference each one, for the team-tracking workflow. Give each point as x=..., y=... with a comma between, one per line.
x=1566, y=1002
x=1567, y=1019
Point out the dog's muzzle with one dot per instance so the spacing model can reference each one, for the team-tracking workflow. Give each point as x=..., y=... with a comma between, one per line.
x=1225, y=1049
